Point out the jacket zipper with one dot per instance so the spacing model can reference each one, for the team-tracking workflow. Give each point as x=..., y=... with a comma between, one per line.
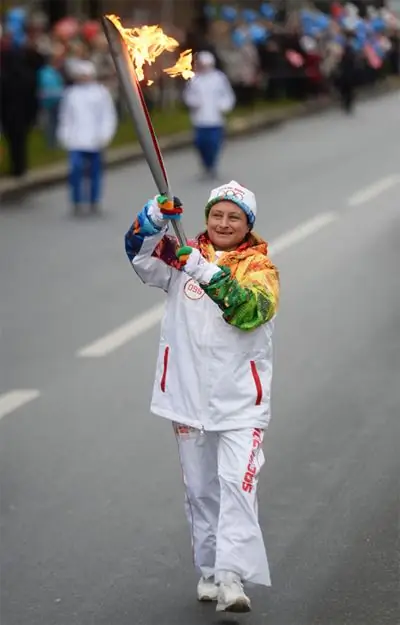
x=257, y=382
x=204, y=367
x=165, y=369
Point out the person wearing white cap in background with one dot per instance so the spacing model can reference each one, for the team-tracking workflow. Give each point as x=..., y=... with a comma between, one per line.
x=213, y=376
x=87, y=124
x=209, y=97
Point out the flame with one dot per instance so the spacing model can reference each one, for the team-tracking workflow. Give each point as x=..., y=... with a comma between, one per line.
x=146, y=43
x=183, y=66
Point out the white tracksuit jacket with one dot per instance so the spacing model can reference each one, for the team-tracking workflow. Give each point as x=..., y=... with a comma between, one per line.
x=88, y=119
x=209, y=97
x=209, y=375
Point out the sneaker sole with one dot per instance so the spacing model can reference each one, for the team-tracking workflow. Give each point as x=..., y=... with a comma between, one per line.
x=206, y=599
x=239, y=607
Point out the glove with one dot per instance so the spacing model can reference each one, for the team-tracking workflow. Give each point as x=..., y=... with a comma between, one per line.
x=195, y=265
x=170, y=209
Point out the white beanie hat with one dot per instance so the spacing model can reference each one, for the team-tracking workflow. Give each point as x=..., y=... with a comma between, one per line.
x=85, y=69
x=239, y=195
x=206, y=58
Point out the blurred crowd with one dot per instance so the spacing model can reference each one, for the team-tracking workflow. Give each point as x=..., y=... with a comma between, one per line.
x=299, y=54
x=37, y=64
x=263, y=53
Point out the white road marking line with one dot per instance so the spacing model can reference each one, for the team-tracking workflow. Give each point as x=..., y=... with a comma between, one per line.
x=301, y=232
x=138, y=325
x=110, y=342
x=371, y=192
x=15, y=399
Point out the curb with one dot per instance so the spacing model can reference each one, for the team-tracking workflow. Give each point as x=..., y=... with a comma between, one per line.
x=246, y=125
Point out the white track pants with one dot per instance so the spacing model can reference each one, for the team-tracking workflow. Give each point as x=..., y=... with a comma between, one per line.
x=220, y=473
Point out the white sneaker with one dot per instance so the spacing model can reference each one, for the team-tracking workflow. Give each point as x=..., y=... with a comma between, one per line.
x=231, y=596
x=207, y=589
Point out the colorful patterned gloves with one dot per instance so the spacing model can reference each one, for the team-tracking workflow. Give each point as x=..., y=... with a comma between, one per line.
x=170, y=209
x=195, y=265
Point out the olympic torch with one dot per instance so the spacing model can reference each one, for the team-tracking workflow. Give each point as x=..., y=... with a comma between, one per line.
x=140, y=115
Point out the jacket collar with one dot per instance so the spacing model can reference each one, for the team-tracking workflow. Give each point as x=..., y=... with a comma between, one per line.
x=253, y=244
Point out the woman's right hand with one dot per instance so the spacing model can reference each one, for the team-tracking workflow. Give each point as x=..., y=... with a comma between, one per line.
x=169, y=208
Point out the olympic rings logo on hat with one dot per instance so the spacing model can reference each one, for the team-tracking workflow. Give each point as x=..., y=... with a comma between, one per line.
x=227, y=192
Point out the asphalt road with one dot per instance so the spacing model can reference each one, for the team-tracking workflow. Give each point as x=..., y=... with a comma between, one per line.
x=92, y=524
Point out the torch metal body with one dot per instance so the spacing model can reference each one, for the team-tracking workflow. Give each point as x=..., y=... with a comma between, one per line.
x=140, y=115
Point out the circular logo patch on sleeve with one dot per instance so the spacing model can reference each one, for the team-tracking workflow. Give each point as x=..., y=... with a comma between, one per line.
x=192, y=290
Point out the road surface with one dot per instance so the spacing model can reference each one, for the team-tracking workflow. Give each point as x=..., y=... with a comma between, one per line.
x=92, y=524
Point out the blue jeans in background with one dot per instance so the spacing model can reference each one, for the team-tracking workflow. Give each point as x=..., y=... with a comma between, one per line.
x=208, y=141
x=50, y=122
x=85, y=177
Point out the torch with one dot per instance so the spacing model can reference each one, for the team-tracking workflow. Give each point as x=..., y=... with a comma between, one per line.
x=140, y=114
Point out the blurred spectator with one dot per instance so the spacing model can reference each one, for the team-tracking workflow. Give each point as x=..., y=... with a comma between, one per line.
x=272, y=66
x=87, y=124
x=394, y=52
x=19, y=66
x=66, y=29
x=40, y=34
x=346, y=72
x=105, y=69
x=77, y=50
x=242, y=66
x=51, y=89
x=209, y=96
x=312, y=65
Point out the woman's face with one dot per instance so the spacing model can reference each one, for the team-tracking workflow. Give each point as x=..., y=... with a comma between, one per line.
x=227, y=226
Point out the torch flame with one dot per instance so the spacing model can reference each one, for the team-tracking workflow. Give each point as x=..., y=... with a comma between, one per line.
x=183, y=66
x=146, y=43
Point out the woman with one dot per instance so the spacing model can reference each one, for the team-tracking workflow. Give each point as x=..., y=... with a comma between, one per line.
x=213, y=377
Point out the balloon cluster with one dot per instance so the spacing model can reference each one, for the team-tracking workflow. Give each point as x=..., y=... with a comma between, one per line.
x=249, y=25
x=367, y=34
x=17, y=20
x=14, y=25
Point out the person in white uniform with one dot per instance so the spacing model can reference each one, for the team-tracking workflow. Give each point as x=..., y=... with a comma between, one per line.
x=87, y=124
x=213, y=376
x=209, y=97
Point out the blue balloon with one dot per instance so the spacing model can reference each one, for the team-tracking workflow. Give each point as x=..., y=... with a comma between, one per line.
x=249, y=16
x=267, y=11
x=229, y=14
x=258, y=33
x=378, y=24
x=239, y=37
x=15, y=25
x=306, y=14
x=361, y=28
x=16, y=16
x=323, y=21
x=310, y=23
x=311, y=29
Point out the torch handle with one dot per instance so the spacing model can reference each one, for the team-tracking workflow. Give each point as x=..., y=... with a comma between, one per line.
x=179, y=232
